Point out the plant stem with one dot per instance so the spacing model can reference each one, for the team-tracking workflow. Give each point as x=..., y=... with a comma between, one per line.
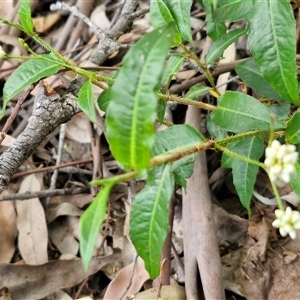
x=276, y=194
x=238, y=156
x=202, y=66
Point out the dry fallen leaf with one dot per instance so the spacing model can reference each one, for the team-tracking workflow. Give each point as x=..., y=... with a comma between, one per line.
x=31, y=221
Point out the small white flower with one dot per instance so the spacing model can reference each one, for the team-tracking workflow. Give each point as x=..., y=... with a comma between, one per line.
x=287, y=221
x=2, y=53
x=280, y=161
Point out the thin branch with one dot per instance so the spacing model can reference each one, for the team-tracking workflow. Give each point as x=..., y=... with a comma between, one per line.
x=45, y=193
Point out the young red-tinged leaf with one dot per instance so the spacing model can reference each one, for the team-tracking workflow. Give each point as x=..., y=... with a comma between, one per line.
x=25, y=16
x=29, y=72
x=131, y=113
x=292, y=133
x=160, y=15
x=218, y=47
x=90, y=222
x=181, y=10
x=272, y=40
x=238, y=112
x=149, y=217
x=250, y=73
x=231, y=11
x=244, y=173
x=86, y=101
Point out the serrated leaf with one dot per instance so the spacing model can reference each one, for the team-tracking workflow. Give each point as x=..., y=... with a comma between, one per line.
x=295, y=180
x=238, y=112
x=218, y=47
x=29, y=72
x=174, y=139
x=180, y=11
x=160, y=15
x=149, y=217
x=131, y=113
x=172, y=66
x=249, y=72
x=86, y=101
x=89, y=224
x=215, y=131
x=292, y=133
x=196, y=91
x=272, y=41
x=244, y=173
x=25, y=16
x=232, y=10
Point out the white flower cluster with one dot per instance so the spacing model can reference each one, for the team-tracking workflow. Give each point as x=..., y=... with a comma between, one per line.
x=280, y=161
x=287, y=221
x=2, y=53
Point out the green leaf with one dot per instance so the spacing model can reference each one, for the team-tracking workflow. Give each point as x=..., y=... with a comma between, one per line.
x=244, y=173
x=232, y=10
x=238, y=112
x=219, y=46
x=161, y=109
x=214, y=30
x=249, y=72
x=172, y=66
x=292, y=133
x=196, y=91
x=295, y=180
x=215, y=131
x=174, y=139
x=104, y=99
x=181, y=10
x=149, y=217
x=25, y=16
x=272, y=41
x=86, y=101
x=281, y=110
x=160, y=15
x=131, y=113
x=6, y=22
x=29, y=72
x=89, y=224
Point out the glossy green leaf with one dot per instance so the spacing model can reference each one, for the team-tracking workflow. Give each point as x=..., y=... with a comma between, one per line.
x=131, y=113
x=174, y=139
x=219, y=46
x=149, y=217
x=295, y=180
x=215, y=131
x=232, y=10
x=86, y=101
x=29, y=72
x=104, y=99
x=90, y=222
x=25, y=16
x=238, y=112
x=272, y=41
x=250, y=73
x=180, y=11
x=292, y=133
x=160, y=15
x=244, y=173
x=172, y=66
x=196, y=91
